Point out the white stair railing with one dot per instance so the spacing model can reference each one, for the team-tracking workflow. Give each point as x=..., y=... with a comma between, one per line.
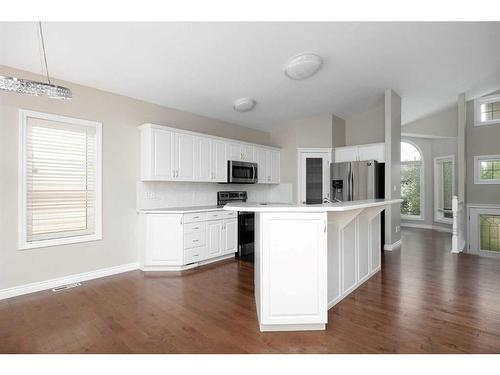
x=457, y=239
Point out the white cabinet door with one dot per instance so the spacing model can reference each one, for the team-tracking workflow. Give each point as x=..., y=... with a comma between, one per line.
x=261, y=161
x=203, y=159
x=164, y=240
x=275, y=167
x=234, y=151
x=184, y=157
x=346, y=154
x=248, y=153
x=372, y=152
x=219, y=161
x=376, y=246
x=230, y=242
x=214, y=238
x=162, y=154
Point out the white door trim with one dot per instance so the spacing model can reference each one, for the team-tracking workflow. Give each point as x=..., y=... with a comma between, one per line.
x=322, y=151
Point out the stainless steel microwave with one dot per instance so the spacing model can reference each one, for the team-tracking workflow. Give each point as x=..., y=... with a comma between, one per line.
x=241, y=172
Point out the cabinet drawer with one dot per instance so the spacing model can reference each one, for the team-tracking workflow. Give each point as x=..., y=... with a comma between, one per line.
x=193, y=255
x=194, y=217
x=222, y=214
x=194, y=239
x=194, y=227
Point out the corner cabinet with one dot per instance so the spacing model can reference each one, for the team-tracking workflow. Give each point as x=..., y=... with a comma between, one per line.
x=173, y=242
x=372, y=151
x=169, y=154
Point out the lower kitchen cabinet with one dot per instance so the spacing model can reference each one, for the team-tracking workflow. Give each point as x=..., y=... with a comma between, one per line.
x=177, y=241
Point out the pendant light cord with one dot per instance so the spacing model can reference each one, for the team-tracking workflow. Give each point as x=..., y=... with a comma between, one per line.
x=43, y=49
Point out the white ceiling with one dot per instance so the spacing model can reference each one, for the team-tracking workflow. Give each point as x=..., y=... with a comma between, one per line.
x=204, y=67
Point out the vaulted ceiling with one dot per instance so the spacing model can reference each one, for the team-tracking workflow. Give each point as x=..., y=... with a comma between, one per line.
x=203, y=67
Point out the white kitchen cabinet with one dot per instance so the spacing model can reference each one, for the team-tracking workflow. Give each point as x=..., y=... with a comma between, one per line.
x=275, y=167
x=373, y=151
x=169, y=154
x=268, y=165
x=172, y=242
x=219, y=161
x=234, y=151
x=230, y=236
x=203, y=159
x=184, y=157
x=163, y=242
x=214, y=237
x=261, y=160
x=248, y=153
x=157, y=155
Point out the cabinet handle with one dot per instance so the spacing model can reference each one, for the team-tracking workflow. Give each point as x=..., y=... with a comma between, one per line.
x=196, y=228
x=196, y=217
x=195, y=240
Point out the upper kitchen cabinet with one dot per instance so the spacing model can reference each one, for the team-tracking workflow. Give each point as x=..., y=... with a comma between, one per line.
x=268, y=165
x=157, y=155
x=203, y=159
x=373, y=151
x=184, y=156
x=240, y=152
x=169, y=154
x=219, y=161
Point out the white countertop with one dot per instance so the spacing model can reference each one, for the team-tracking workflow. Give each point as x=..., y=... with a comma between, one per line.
x=179, y=210
x=290, y=207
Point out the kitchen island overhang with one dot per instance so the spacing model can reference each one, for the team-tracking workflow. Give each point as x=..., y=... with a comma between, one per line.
x=309, y=257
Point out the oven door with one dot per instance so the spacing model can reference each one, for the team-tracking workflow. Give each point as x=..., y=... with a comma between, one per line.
x=239, y=172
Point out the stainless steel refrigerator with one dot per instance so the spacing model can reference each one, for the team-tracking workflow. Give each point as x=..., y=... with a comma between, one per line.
x=356, y=180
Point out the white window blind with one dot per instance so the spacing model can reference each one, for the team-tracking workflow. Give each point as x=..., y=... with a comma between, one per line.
x=61, y=180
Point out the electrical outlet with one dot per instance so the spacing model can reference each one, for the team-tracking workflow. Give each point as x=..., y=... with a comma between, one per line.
x=150, y=196
x=398, y=228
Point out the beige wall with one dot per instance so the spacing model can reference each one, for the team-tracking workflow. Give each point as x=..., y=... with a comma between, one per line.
x=365, y=127
x=338, y=132
x=309, y=132
x=119, y=115
x=439, y=124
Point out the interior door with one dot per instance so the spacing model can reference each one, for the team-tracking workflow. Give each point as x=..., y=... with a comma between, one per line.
x=314, y=177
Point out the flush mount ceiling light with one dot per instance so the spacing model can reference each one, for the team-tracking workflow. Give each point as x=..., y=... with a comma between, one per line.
x=35, y=88
x=302, y=66
x=244, y=104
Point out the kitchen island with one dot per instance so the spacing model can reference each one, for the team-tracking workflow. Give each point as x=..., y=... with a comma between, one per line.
x=309, y=257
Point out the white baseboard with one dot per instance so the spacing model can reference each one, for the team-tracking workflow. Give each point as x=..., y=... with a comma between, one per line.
x=438, y=228
x=390, y=247
x=60, y=281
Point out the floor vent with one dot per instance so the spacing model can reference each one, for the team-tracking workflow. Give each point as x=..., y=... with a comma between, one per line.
x=64, y=287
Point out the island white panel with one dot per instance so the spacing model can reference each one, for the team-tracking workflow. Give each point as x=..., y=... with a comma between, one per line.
x=294, y=272
x=349, y=269
x=363, y=248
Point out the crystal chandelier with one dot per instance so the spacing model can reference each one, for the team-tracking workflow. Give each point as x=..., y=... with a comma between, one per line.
x=35, y=88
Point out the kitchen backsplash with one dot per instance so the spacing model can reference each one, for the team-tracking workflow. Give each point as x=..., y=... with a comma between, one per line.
x=180, y=194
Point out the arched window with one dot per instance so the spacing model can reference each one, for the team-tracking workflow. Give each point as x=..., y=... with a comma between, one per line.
x=411, y=181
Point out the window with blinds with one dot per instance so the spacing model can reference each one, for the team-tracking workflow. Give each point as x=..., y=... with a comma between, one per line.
x=61, y=180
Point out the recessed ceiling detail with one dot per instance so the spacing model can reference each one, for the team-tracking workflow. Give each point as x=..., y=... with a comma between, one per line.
x=303, y=66
x=244, y=104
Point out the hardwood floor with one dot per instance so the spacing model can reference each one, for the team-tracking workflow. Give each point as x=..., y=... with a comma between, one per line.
x=425, y=300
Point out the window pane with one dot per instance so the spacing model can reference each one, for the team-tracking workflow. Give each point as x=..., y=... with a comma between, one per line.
x=60, y=179
x=489, y=169
x=447, y=184
x=410, y=189
x=409, y=152
x=489, y=232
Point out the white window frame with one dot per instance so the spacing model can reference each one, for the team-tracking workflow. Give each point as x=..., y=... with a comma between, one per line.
x=97, y=235
x=473, y=235
x=477, y=110
x=477, y=174
x=438, y=215
x=422, y=185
